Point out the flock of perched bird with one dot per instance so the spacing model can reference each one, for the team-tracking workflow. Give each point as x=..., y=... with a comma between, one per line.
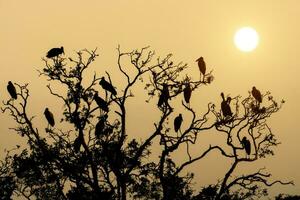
x=163, y=99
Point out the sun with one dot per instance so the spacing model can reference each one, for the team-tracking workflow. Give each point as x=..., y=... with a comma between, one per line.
x=246, y=39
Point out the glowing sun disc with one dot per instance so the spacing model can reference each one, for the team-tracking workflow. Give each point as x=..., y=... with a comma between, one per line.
x=246, y=39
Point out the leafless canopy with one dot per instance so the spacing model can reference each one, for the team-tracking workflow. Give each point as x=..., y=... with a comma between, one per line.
x=64, y=164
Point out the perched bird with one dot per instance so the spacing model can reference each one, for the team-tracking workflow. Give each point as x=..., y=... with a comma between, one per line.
x=256, y=94
x=49, y=117
x=247, y=145
x=11, y=90
x=55, y=52
x=107, y=86
x=99, y=129
x=187, y=92
x=225, y=106
x=164, y=96
x=101, y=102
x=178, y=122
x=201, y=65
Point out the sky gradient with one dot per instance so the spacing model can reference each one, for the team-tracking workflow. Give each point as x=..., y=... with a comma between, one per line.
x=188, y=29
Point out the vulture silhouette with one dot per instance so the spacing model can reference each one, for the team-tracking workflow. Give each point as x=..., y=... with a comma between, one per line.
x=187, y=92
x=49, y=117
x=55, y=52
x=177, y=122
x=256, y=94
x=101, y=103
x=164, y=96
x=107, y=86
x=11, y=90
x=225, y=106
x=201, y=65
x=247, y=145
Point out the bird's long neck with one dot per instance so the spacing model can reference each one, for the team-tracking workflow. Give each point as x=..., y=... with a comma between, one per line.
x=222, y=95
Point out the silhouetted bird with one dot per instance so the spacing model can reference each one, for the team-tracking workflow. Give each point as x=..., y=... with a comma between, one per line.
x=77, y=144
x=49, y=117
x=11, y=90
x=101, y=102
x=55, y=52
x=178, y=122
x=164, y=96
x=107, y=86
x=99, y=129
x=247, y=145
x=225, y=106
x=201, y=65
x=256, y=94
x=187, y=92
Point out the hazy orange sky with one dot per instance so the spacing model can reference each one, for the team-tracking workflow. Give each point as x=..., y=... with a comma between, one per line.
x=188, y=29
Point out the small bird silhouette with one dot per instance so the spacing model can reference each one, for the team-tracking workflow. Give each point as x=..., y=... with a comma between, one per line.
x=201, y=65
x=177, y=122
x=164, y=96
x=101, y=102
x=55, y=52
x=247, y=145
x=49, y=117
x=256, y=94
x=225, y=106
x=187, y=92
x=107, y=86
x=11, y=90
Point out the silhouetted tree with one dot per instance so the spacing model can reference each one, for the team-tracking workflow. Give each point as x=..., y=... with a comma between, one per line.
x=287, y=197
x=96, y=160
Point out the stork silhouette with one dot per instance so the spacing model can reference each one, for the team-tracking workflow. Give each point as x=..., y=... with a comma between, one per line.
x=202, y=66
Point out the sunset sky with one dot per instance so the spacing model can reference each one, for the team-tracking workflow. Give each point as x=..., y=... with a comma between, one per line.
x=188, y=30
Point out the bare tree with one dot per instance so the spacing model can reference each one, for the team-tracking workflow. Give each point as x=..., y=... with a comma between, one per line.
x=96, y=160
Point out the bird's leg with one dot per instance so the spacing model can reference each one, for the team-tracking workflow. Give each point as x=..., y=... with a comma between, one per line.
x=47, y=129
x=180, y=132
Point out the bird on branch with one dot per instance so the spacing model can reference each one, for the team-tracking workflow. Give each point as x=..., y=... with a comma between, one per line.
x=164, y=96
x=49, y=117
x=247, y=145
x=256, y=94
x=11, y=90
x=107, y=86
x=101, y=102
x=55, y=52
x=187, y=93
x=202, y=66
x=225, y=106
x=177, y=122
